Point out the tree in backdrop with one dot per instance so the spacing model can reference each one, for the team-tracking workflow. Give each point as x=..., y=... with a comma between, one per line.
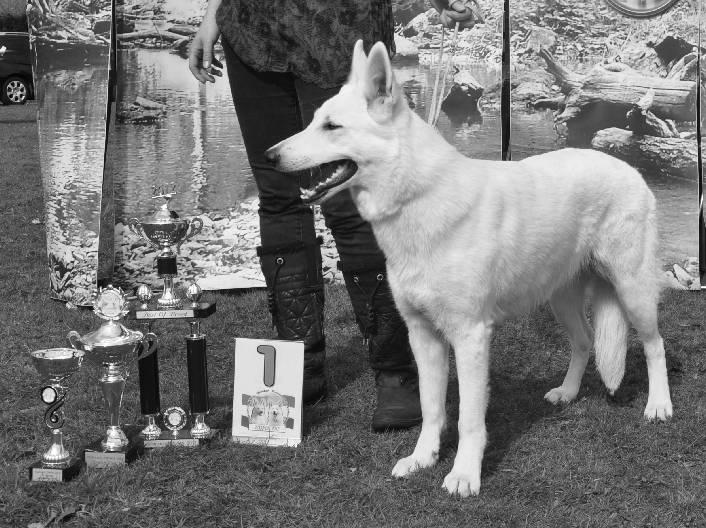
x=12, y=15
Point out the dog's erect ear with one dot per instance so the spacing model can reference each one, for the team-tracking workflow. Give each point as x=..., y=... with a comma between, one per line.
x=379, y=77
x=379, y=85
x=359, y=63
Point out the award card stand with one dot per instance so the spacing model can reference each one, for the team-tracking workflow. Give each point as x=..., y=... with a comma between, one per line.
x=267, y=392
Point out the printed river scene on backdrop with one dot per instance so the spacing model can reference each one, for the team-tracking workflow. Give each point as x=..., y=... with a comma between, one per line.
x=169, y=129
x=195, y=141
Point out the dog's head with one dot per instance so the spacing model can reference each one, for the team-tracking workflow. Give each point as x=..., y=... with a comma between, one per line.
x=354, y=135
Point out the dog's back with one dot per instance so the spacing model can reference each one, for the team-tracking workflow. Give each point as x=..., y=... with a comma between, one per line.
x=518, y=230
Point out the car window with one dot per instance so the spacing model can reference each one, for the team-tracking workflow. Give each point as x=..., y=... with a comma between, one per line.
x=15, y=48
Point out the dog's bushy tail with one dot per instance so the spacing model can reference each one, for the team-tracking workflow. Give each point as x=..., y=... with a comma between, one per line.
x=611, y=328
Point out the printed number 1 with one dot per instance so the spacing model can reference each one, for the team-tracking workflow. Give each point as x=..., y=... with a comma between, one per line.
x=270, y=354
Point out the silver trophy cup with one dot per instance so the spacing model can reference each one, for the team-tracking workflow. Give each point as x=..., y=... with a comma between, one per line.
x=111, y=347
x=56, y=366
x=165, y=230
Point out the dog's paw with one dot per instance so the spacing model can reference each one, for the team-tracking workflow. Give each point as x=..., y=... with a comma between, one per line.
x=658, y=410
x=408, y=465
x=465, y=485
x=559, y=395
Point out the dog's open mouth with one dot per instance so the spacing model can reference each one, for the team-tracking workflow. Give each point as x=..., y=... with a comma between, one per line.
x=335, y=172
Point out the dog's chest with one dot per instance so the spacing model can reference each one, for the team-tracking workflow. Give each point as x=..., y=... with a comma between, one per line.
x=420, y=291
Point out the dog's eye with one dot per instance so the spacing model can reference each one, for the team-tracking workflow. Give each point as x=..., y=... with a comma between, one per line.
x=331, y=126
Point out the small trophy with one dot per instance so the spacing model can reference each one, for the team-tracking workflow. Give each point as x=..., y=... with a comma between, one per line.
x=163, y=230
x=110, y=347
x=56, y=366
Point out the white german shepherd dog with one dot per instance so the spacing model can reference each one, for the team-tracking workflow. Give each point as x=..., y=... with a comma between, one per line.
x=469, y=243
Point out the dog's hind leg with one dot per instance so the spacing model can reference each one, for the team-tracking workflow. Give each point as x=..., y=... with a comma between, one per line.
x=627, y=256
x=471, y=346
x=638, y=293
x=432, y=358
x=568, y=306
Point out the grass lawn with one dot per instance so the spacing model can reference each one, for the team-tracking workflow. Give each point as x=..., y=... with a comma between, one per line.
x=594, y=463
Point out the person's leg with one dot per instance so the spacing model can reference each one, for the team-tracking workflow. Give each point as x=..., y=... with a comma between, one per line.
x=363, y=266
x=268, y=111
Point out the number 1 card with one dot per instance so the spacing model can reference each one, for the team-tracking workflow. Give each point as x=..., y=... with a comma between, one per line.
x=267, y=391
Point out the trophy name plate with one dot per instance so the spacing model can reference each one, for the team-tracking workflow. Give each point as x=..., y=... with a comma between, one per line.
x=39, y=473
x=95, y=457
x=200, y=311
x=181, y=439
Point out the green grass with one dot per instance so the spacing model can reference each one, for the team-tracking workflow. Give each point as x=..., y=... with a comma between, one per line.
x=594, y=463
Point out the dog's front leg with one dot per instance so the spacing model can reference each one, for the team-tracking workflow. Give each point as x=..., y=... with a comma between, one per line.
x=431, y=354
x=471, y=345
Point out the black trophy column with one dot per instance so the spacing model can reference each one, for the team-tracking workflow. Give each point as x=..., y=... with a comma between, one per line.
x=198, y=372
x=167, y=266
x=148, y=369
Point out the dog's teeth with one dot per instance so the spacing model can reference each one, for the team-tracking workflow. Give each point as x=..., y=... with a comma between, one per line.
x=333, y=179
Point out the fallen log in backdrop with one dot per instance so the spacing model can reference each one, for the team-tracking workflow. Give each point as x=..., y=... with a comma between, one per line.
x=150, y=33
x=672, y=156
x=602, y=98
x=643, y=122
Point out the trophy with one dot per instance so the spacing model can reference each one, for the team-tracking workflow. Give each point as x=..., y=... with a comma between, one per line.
x=163, y=230
x=55, y=366
x=110, y=347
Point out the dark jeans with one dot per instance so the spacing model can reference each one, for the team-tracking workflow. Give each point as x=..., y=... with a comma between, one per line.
x=272, y=106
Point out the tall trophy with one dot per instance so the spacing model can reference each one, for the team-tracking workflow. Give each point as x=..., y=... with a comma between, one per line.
x=163, y=230
x=55, y=366
x=110, y=347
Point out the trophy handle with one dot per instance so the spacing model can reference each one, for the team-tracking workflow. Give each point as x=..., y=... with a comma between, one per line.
x=147, y=348
x=74, y=337
x=195, y=227
x=135, y=227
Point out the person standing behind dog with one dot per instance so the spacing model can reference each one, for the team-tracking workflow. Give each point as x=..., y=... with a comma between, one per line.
x=283, y=60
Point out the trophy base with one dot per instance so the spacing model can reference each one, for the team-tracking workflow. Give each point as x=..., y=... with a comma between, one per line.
x=183, y=438
x=95, y=457
x=38, y=472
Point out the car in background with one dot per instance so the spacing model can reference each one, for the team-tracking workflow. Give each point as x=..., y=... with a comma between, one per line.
x=16, y=85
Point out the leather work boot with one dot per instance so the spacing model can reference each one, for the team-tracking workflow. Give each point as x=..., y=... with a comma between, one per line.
x=389, y=353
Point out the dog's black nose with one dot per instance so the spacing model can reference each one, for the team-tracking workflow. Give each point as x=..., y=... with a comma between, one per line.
x=272, y=156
